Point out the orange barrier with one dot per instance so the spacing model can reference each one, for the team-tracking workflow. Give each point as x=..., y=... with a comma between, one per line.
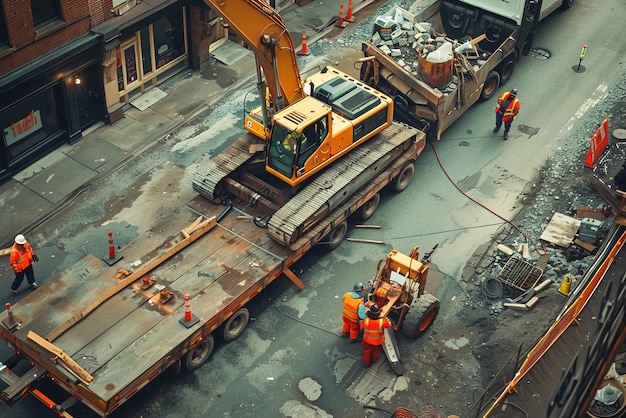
x=561, y=324
x=597, y=143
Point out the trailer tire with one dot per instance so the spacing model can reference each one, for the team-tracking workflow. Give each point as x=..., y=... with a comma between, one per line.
x=492, y=82
x=336, y=236
x=367, y=210
x=421, y=316
x=403, y=179
x=235, y=325
x=507, y=67
x=198, y=354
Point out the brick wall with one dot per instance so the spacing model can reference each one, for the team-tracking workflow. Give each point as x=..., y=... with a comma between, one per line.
x=27, y=45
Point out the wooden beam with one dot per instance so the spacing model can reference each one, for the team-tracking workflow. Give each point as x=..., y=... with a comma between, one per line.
x=295, y=279
x=5, y=251
x=369, y=241
x=193, y=232
x=66, y=361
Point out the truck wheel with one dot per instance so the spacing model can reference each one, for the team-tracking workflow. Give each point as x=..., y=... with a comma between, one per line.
x=236, y=324
x=507, y=67
x=336, y=236
x=402, y=180
x=421, y=316
x=492, y=82
x=198, y=354
x=367, y=210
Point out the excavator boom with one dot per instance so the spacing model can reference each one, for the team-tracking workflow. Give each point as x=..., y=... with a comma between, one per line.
x=264, y=30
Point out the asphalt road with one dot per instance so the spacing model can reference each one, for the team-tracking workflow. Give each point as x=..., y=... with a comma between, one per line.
x=294, y=335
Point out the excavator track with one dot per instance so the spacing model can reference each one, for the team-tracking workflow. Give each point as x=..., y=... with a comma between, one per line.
x=321, y=196
x=339, y=183
x=208, y=180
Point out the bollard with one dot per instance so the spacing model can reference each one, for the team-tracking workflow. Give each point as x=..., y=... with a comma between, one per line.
x=111, y=246
x=579, y=68
x=112, y=258
x=9, y=310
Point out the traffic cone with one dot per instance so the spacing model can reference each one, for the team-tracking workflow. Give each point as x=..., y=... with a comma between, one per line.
x=189, y=319
x=349, y=14
x=566, y=285
x=304, y=50
x=341, y=22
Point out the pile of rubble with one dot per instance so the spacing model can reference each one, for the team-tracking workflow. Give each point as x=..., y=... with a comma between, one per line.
x=403, y=39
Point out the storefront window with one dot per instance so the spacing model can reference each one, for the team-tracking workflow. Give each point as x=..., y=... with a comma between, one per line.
x=31, y=121
x=168, y=38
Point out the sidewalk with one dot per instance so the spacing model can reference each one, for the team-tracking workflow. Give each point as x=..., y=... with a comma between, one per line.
x=47, y=186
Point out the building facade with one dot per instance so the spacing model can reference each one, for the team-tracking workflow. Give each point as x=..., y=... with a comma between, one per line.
x=67, y=65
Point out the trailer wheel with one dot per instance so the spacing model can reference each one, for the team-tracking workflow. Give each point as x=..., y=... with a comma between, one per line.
x=421, y=316
x=236, y=324
x=507, y=67
x=367, y=210
x=492, y=82
x=402, y=180
x=198, y=354
x=336, y=236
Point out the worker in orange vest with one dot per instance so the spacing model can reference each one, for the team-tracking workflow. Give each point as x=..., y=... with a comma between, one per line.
x=373, y=334
x=506, y=110
x=353, y=311
x=22, y=258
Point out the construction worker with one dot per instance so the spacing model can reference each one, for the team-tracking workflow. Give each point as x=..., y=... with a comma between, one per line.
x=22, y=258
x=506, y=110
x=353, y=311
x=620, y=179
x=373, y=334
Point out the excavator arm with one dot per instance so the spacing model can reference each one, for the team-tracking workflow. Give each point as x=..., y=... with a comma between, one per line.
x=264, y=31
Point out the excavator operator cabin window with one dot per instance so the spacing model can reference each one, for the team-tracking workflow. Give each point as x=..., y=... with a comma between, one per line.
x=315, y=134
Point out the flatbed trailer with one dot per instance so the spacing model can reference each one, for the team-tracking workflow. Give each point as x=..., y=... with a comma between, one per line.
x=103, y=330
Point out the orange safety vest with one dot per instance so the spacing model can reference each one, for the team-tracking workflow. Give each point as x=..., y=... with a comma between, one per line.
x=351, y=307
x=21, y=259
x=374, y=330
x=512, y=109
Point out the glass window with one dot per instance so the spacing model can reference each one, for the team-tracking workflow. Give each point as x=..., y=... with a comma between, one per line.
x=45, y=11
x=4, y=34
x=169, y=41
x=31, y=121
x=146, y=55
x=131, y=64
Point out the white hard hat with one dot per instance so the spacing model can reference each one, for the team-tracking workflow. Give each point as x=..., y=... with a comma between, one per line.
x=19, y=239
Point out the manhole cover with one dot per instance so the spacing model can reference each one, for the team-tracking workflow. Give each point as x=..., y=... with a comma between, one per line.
x=619, y=134
x=539, y=53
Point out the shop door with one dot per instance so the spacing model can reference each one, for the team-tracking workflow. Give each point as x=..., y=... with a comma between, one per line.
x=128, y=68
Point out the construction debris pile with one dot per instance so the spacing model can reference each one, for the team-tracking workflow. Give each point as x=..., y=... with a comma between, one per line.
x=430, y=56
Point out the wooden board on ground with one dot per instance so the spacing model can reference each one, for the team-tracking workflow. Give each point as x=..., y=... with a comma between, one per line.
x=583, y=212
x=561, y=230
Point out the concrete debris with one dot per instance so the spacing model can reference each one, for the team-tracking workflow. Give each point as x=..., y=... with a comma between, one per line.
x=297, y=409
x=310, y=388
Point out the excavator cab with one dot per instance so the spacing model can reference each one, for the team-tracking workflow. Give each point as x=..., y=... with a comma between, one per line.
x=299, y=140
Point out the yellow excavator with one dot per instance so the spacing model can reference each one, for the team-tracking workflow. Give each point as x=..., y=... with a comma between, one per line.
x=301, y=129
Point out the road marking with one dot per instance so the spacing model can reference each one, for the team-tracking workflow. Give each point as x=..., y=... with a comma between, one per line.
x=598, y=95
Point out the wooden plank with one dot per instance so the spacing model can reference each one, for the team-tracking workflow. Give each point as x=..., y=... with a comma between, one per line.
x=67, y=362
x=561, y=230
x=199, y=231
x=5, y=251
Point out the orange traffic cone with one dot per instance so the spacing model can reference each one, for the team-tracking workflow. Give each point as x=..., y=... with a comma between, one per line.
x=349, y=14
x=305, y=49
x=341, y=22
